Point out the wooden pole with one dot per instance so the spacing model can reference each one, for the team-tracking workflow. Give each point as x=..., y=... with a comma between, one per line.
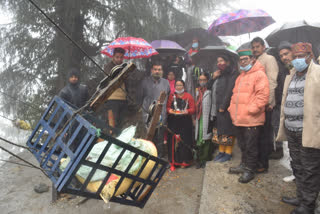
x=156, y=116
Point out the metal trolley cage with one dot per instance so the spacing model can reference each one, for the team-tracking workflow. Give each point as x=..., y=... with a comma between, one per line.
x=60, y=134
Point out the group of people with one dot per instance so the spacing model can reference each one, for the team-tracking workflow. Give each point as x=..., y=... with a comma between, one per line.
x=248, y=100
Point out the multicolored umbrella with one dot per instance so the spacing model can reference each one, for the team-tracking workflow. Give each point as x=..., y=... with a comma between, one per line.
x=167, y=47
x=135, y=48
x=240, y=22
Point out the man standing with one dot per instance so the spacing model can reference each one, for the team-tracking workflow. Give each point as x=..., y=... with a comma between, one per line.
x=247, y=112
x=300, y=126
x=151, y=88
x=116, y=104
x=285, y=55
x=75, y=93
x=266, y=138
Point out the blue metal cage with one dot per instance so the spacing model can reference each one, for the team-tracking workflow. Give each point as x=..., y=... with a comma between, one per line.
x=62, y=134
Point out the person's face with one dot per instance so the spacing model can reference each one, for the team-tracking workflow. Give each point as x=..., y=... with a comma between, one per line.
x=179, y=86
x=303, y=55
x=244, y=61
x=203, y=80
x=171, y=76
x=118, y=58
x=156, y=70
x=73, y=79
x=257, y=49
x=286, y=56
x=221, y=61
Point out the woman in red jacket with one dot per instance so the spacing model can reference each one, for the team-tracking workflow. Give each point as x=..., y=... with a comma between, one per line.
x=180, y=108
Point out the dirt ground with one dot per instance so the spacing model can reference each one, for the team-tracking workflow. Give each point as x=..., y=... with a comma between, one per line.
x=178, y=192
x=185, y=191
x=222, y=193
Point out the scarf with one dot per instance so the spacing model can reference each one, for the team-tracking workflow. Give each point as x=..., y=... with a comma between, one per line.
x=172, y=88
x=199, y=102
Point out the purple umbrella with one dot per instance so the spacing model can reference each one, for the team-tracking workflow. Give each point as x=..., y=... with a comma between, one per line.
x=240, y=22
x=167, y=47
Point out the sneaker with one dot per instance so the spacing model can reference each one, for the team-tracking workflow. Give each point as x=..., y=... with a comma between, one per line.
x=225, y=158
x=219, y=156
x=237, y=170
x=246, y=177
x=289, y=178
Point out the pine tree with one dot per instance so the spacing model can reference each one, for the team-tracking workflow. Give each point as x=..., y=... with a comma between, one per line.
x=37, y=57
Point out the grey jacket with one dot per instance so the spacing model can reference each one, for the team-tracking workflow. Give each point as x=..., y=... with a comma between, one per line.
x=150, y=91
x=206, y=108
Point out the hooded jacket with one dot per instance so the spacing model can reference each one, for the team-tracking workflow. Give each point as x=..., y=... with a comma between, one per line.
x=250, y=96
x=75, y=94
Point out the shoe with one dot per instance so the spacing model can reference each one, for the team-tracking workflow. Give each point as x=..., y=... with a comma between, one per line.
x=219, y=156
x=276, y=155
x=225, y=158
x=261, y=170
x=289, y=178
x=291, y=201
x=203, y=165
x=302, y=210
x=247, y=176
x=237, y=170
x=198, y=165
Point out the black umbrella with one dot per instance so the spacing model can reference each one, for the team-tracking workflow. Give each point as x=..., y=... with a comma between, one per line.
x=208, y=55
x=214, y=51
x=185, y=39
x=300, y=31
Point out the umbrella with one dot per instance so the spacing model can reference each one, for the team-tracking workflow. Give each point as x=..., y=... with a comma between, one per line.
x=185, y=39
x=134, y=48
x=213, y=52
x=167, y=47
x=240, y=22
x=299, y=31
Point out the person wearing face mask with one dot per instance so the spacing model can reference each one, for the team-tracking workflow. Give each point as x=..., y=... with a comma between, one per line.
x=171, y=79
x=202, y=133
x=247, y=112
x=299, y=125
x=194, y=47
x=180, y=108
x=224, y=131
x=286, y=56
x=150, y=90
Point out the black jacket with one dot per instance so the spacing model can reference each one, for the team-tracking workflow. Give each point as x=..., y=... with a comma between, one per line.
x=225, y=85
x=76, y=95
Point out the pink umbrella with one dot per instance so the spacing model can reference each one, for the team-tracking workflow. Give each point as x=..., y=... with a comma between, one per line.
x=240, y=22
x=134, y=48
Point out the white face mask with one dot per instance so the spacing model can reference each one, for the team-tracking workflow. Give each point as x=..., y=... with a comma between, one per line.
x=202, y=84
x=179, y=91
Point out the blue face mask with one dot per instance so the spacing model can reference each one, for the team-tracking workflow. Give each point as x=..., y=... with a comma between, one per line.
x=246, y=68
x=299, y=64
x=195, y=45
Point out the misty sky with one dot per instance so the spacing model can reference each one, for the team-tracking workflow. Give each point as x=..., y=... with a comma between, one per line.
x=281, y=10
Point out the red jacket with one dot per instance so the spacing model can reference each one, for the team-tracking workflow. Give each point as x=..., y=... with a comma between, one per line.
x=186, y=96
x=250, y=97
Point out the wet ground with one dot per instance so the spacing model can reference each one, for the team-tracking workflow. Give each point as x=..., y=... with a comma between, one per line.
x=185, y=191
x=178, y=192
